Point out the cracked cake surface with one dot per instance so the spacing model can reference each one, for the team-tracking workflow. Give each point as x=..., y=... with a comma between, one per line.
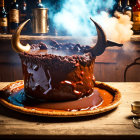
x=50, y=76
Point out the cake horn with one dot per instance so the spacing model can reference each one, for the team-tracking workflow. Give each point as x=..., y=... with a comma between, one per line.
x=102, y=42
x=16, y=45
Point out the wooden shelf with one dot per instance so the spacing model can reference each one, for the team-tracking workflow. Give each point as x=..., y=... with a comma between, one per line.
x=42, y=37
x=135, y=38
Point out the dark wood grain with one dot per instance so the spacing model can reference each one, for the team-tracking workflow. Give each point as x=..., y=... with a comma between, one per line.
x=109, y=66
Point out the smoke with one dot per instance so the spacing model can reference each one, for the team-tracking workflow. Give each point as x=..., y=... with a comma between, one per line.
x=75, y=15
x=117, y=28
x=74, y=18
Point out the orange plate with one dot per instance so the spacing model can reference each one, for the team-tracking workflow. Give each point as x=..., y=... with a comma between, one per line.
x=110, y=95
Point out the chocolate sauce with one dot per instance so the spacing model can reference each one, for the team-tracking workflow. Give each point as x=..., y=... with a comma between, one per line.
x=86, y=103
x=19, y=98
x=54, y=77
x=16, y=95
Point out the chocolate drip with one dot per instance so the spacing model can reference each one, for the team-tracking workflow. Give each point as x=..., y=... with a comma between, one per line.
x=19, y=98
x=52, y=77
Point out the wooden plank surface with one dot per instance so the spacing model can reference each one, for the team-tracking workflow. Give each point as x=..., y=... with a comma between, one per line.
x=109, y=66
x=115, y=123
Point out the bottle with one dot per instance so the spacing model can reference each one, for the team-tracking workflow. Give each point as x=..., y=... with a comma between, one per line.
x=14, y=16
x=136, y=17
x=3, y=19
x=40, y=19
x=128, y=10
x=119, y=7
x=23, y=15
x=23, y=11
x=39, y=4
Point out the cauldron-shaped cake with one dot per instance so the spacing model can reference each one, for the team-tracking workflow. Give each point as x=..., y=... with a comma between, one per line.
x=57, y=78
x=51, y=77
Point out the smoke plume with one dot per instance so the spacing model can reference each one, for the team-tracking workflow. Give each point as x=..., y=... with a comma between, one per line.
x=74, y=17
x=117, y=28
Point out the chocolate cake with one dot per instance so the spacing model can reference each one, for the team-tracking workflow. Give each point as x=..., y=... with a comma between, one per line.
x=59, y=75
x=58, y=71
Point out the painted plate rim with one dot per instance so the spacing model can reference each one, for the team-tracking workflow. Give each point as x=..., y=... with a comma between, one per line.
x=58, y=113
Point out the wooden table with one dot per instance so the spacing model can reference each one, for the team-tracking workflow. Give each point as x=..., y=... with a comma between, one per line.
x=116, y=124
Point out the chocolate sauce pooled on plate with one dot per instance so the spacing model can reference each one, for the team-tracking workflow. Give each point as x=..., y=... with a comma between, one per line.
x=58, y=72
x=15, y=94
x=19, y=98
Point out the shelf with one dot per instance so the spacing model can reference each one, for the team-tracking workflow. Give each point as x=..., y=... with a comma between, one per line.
x=42, y=37
x=134, y=38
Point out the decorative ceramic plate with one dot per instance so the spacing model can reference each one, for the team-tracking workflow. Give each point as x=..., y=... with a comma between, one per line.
x=111, y=99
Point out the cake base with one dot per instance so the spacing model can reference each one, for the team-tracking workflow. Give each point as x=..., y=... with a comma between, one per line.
x=111, y=99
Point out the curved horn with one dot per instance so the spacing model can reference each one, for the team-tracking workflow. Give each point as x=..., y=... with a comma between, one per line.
x=102, y=43
x=16, y=45
x=100, y=46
